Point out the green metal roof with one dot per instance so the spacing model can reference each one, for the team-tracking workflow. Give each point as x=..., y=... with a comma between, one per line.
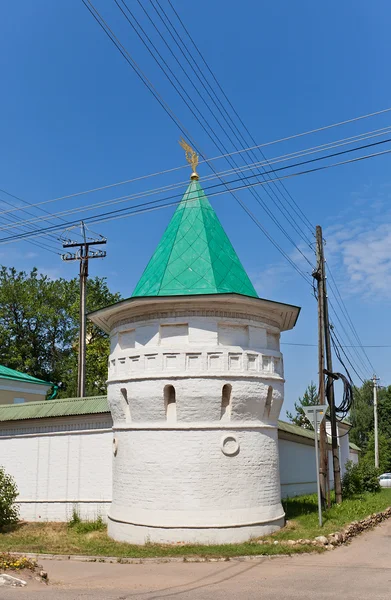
x=62, y=407
x=194, y=255
x=354, y=447
x=6, y=373
x=65, y=407
x=296, y=430
x=307, y=433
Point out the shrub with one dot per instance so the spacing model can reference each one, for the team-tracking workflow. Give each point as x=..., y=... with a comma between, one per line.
x=9, y=511
x=80, y=526
x=360, y=478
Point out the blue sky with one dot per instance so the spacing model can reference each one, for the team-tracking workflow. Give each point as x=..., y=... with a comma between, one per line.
x=76, y=117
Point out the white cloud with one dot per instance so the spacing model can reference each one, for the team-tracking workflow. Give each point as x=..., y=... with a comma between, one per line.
x=359, y=249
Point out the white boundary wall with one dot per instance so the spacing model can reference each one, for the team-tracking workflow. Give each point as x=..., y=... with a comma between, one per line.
x=59, y=465
x=64, y=463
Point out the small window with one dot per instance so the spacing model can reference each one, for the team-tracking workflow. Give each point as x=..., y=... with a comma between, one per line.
x=225, y=413
x=125, y=403
x=170, y=403
x=19, y=400
x=268, y=403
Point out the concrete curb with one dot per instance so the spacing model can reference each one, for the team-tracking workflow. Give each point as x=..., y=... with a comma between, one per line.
x=153, y=560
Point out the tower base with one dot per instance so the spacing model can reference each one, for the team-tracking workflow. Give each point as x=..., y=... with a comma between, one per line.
x=143, y=534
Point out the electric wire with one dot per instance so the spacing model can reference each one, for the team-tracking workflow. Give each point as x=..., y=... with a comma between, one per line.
x=183, y=47
x=225, y=173
x=347, y=121
x=210, y=187
x=358, y=360
x=342, y=305
x=15, y=224
x=124, y=212
x=246, y=129
x=203, y=122
x=197, y=71
x=355, y=346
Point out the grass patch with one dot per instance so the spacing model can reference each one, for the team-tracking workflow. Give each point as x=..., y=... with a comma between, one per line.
x=77, y=537
x=59, y=538
x=302, y=514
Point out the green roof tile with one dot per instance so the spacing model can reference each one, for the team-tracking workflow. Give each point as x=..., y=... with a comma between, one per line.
x=194, y=255
x=6, y=373
x=54, y=408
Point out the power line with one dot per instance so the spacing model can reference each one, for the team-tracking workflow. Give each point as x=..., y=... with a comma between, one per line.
x=121, y=213
x=246, y=129
x=358, y=361
x=274, y=160
x=197, y=72
x=343, y=346
x=291, y=202
x=336, y=343
x=225, y=183
x=162, y=64
x=14, y=223
x=341, y=303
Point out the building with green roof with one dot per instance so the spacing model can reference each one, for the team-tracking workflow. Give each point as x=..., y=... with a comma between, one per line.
x=17, y=387
x=195, y=388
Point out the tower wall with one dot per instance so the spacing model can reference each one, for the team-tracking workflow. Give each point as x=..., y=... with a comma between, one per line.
x=195, y=399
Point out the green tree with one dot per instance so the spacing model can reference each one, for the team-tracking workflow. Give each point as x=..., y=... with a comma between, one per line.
x=98, y=344
x=310, y=397
x=39, y=324
x=384, y=452
x=362, y=420
x=361, y=415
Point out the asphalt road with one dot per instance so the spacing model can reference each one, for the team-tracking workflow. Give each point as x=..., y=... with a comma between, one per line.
x=360, y=571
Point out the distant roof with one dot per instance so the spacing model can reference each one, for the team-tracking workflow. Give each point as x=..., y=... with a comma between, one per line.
x=6, y=373
x=195, y=255
x=354, y=447
x=63, y=407
x=307, y=433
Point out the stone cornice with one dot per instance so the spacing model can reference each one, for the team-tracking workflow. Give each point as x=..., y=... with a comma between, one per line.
x=172, y=314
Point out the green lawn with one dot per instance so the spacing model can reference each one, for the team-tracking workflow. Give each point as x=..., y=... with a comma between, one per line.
x=302, y=514
x=91, y=539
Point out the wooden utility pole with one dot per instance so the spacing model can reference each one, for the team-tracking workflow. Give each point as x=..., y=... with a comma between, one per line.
x=83, y=255
x=318, y=274
x=331, y=398
x=324, y=344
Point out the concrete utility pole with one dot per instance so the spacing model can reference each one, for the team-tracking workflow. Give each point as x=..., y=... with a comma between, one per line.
x=375, y=380
x=318, y=275
x=83, y=255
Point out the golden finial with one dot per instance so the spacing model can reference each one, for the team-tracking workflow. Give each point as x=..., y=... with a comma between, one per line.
x=191, y=157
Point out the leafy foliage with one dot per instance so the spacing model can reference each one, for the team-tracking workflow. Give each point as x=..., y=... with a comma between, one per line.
x=39, y=324
x=360, y=478
x=361, y=415
x=310, y=397
x=362, y=419
x=9, y=511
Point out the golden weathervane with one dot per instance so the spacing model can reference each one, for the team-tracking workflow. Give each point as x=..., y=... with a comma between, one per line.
x=191, y=157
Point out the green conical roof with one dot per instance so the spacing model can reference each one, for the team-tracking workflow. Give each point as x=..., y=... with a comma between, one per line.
x=194, y=255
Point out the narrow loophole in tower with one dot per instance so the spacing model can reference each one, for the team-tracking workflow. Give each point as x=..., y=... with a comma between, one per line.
x=226, y=402
x=268, y=403
x=170, y=403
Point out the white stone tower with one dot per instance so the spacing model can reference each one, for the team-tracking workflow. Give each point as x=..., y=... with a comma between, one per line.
x=195, y=388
